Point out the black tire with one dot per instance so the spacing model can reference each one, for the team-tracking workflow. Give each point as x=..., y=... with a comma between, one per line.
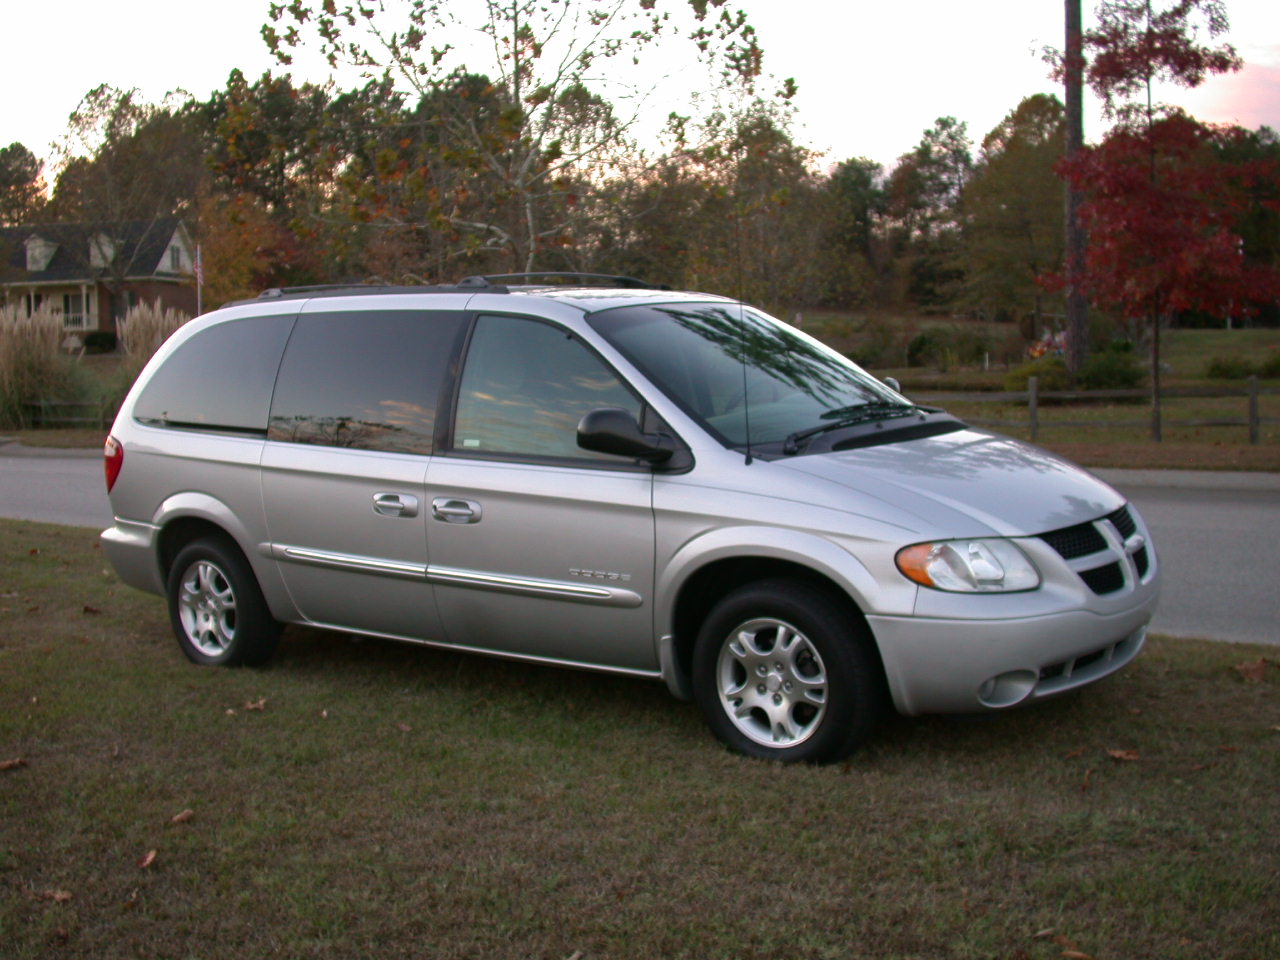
x=816, y=687
x=216, y=606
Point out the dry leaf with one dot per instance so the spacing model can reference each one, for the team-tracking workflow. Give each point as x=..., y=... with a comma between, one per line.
x=1123, y=754
x=324, y=714
x=57, y=896
x=1076, y=955
x=1226, y=749
x=1075, y=753
x=33, y=552
x=403, y=727
x=1252, y=670
x=256, y=704
x=1084, y=784
x=13, y=764
x=147, y=859
x=91, y=610
x=1044, y=934
x=182, y=817
x=230, y=712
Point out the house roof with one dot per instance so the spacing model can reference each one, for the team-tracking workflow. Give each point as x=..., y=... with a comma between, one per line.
x=140, y=247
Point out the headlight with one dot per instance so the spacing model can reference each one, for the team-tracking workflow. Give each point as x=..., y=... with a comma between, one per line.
x=969, y=566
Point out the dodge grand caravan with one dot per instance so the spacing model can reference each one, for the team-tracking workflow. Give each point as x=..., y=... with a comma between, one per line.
x=660, y=484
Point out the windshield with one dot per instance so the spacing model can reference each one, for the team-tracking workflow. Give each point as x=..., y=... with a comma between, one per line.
x=741, y=372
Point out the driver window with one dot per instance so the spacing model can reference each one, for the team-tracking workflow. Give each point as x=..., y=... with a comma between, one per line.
x=524, y=388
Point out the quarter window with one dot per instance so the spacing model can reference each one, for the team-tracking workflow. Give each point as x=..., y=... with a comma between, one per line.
x=220, y=379
x=525, y=387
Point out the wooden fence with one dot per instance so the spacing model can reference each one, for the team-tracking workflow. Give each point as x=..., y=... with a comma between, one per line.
x=1033, y=396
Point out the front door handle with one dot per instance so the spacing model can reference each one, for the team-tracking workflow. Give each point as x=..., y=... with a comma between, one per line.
x=395, y=504
x=455, y=510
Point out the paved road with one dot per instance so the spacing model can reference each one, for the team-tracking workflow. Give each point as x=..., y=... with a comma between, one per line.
x=1217, y=535
x=1218, y=540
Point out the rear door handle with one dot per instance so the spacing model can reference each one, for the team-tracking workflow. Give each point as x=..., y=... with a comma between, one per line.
x=455, y=510
x=395, y=504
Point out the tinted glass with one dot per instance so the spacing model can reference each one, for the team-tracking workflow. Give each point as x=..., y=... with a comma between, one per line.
x=220, y=379
x=524, y=388
x=364, y=380
x=737, y=369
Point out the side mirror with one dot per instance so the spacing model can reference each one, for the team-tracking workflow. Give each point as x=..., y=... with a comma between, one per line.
x=893, y=384
x=614, y=430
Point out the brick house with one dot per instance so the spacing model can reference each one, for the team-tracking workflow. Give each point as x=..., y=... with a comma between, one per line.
x=91, y=274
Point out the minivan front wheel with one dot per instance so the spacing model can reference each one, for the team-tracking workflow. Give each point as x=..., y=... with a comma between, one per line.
x=216, y=607
x=782, y=672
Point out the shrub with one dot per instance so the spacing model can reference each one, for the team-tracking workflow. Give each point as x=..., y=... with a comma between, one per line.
x=32, y=364
x=1228, y=368
x=1051, y=372
x=99, y=341
x=1114, y=368
x=145, y=327
x=1270, y=367
x=944, y=346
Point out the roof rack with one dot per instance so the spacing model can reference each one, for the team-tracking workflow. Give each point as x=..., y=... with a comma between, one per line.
x=560, y=278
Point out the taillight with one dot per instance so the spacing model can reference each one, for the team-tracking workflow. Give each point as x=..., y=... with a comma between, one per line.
x=113, y=460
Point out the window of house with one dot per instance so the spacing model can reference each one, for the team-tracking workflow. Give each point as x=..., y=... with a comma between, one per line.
x=525, y=387
x=368, y=380
x=175, y=259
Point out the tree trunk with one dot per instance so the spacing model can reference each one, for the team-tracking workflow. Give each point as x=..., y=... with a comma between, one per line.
x=1157, y=427
x=1077, y=305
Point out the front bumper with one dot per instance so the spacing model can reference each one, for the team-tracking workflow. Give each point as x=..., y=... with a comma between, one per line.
x=967, y=666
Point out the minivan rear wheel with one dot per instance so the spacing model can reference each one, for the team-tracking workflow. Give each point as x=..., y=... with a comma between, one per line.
x=216, y=607
x=781, y=671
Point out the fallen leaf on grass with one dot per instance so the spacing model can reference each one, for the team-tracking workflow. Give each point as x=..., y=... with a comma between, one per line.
x=324, y=714
x=1076, y=955
x=256, y=704
x=230, y=712
x=403, y=727
x=1252, y=670
x=13, y=764
x=1075, y=753
x=93, y=611
x=182, y=817
x=1044, y=934
x=1226, y=749
x=57, y=896
x=147, y=859
x=1084, y=784
x=1123, y=754
x=33, y=552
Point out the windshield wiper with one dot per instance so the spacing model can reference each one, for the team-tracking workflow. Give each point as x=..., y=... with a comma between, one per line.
x=848, y=417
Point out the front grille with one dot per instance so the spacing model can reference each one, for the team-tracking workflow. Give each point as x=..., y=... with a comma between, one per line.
x=1123, y=522
x=1078, y=541
x=1106, y=535
x=1102, y=580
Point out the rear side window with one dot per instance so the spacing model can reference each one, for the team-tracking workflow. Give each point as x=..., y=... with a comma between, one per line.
x=368, y=381
x=220, y=379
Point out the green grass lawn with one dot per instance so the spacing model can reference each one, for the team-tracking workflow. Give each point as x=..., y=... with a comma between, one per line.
x=362, y=798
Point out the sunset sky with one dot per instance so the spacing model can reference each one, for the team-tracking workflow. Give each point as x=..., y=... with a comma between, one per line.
x=872, y=76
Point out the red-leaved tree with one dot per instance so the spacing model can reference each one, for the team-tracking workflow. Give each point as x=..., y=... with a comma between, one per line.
x=1161, y=206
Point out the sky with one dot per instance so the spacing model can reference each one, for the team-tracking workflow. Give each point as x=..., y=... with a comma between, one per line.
x=872, y=76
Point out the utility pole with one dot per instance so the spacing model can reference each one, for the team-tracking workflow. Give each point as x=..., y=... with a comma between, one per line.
x=1077, y=305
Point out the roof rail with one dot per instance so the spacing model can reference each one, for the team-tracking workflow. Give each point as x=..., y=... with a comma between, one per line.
x=560, y=278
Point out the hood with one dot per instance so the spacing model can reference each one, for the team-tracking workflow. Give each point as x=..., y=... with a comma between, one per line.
x=1010, y=487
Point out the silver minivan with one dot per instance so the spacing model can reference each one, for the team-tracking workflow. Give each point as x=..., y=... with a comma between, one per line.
x=660, y=484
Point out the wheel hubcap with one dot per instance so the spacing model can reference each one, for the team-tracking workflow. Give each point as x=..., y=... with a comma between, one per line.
x=772, y=683
x=207, y=608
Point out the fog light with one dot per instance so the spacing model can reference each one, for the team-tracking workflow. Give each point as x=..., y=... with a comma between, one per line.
x=1008, y=688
